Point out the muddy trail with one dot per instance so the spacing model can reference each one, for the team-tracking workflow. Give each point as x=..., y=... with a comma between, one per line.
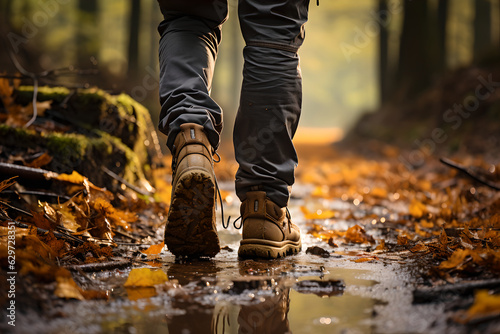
x=385, y=250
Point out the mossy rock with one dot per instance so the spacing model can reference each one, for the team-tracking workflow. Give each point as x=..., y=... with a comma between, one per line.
x=107, y=130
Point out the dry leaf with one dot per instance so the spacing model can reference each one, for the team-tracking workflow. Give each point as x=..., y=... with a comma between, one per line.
x=41, y=161
x=457, y=259
x=144, y=277
x=357, y=234
x=154, y=249
x=484, y=305
x=67, y=288
x=417, y=208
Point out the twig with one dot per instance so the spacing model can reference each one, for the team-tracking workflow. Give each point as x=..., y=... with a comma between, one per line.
x=127, y=235
x=16, y=209
x=26, y=172
x=428, y=295
x=469, y=172
x=70, y=239
x=99, y=266
x=37, y=193
x=125, y=182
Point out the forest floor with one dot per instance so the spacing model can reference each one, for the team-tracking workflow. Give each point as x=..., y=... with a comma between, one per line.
x=386, y=249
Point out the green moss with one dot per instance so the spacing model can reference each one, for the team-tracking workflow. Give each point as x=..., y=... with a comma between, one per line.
x=21, y=136
x=120, y=127
x=56, y=94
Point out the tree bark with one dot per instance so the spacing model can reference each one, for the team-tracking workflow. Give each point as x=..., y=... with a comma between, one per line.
x=413, y=73
x=442, y=18
x=134, y=32
x=384, y=75
x=86, y=39
x=482, y=28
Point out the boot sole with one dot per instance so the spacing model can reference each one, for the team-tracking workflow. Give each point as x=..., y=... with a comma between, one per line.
x=190, y=229
x=258, y=248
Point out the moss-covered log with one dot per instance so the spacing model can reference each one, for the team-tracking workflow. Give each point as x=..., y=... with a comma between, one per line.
x=101, y=130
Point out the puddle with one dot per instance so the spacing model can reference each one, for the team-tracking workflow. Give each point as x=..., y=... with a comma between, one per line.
x=283, y=296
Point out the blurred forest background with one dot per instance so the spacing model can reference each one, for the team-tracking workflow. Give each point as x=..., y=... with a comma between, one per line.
x=358, y=55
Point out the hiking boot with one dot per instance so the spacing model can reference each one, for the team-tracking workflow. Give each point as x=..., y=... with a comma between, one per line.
x=268, y=231
x=190, y=229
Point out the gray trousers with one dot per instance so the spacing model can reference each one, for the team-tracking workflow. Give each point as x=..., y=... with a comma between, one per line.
x=271, y=94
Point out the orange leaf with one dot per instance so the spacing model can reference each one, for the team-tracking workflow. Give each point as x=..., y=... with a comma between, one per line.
x=420, y=247
x=417, y=209
x=154, y=249
x=484, y=305
x=357, y=234
x=7, y=183
x=41, y=161
x=456, y=259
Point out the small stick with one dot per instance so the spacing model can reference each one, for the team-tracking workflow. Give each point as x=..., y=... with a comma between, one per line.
x=99, y=266
x=469, y=172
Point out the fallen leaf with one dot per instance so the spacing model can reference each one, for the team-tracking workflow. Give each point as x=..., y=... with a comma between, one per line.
x=485, y=304
x=417, y=209
x=66, y=286
x=154, y=249
x=456, y=259
x=41, y=161
x=419, y=247
x=7, y=183
x=357, y=234
x=144, y=277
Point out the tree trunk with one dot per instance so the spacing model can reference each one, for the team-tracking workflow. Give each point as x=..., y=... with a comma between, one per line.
x=440, y=55
x=384, y=75
x=87, y=35
x=133, y=44
x=414, y=71
x=482, y=28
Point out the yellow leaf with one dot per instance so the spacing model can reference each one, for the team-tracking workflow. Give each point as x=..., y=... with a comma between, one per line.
x=456, y=259
x=154, y=249
x=484, y=304
x=143, y=277
x=417, y=209
x=67, y=288
x=74, y=177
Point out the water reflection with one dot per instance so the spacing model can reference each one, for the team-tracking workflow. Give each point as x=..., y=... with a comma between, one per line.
x=283, y=296
x=267, y=299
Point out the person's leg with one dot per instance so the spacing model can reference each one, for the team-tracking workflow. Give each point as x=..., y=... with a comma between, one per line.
x=271, y=96
x=190, y=35
x=268, y=116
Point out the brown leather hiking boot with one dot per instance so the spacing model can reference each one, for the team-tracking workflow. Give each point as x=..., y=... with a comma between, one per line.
x=268, y=231
x=190, y=229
